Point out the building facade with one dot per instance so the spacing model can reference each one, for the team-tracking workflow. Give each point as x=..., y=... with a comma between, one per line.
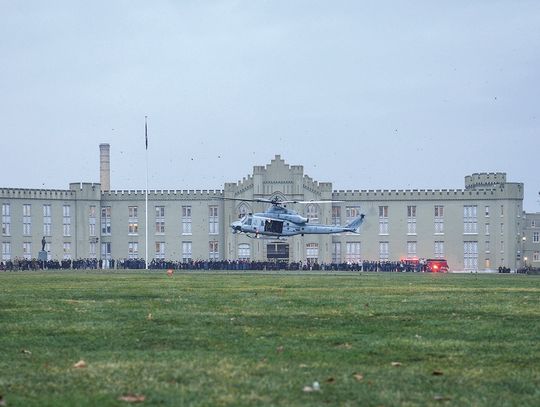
x=530, y=241
x=480, y=227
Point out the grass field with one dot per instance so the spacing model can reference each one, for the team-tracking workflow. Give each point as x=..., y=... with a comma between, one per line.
x=214, y=339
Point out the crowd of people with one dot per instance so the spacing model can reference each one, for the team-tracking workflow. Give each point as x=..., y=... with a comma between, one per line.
x=242, y=265
x=231, y=265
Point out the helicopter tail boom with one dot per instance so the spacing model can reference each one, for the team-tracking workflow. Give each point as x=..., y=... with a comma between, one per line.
x=354, y=225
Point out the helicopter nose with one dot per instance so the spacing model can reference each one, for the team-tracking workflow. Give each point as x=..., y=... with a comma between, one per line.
x=236, y=226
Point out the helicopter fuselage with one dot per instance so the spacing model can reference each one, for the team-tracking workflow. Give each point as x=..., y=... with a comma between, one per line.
x=279, y=221
x=282, y=225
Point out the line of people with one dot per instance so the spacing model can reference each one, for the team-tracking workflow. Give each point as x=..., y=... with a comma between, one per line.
x=246, y=265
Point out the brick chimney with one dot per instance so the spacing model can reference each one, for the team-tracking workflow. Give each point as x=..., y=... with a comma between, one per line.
x=105, y=166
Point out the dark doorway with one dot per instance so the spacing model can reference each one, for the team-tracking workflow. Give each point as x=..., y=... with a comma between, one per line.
x=277, y=251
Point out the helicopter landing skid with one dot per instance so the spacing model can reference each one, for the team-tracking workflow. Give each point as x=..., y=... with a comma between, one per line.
x=263, y=237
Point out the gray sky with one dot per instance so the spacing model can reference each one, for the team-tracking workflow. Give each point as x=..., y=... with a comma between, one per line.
x=363, y=94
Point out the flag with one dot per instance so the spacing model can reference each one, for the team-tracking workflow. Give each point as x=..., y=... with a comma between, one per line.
x=145, y=133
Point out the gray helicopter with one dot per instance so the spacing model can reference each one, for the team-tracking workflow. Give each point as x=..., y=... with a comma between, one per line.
x=278, y=221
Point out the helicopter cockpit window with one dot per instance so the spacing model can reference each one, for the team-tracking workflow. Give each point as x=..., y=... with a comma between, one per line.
x=248, y=220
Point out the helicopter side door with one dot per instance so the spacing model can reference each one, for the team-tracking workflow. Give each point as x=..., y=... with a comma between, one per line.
x=273, y=226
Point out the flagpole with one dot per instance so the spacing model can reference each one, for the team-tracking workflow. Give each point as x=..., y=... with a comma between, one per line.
x=146, y=194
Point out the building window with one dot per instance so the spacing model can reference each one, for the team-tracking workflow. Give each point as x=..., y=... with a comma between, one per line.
x=536, y=256
x=470, y=256
x=27, y=219
x=336, y=215
x=133, y=221
x=502, y=228
x=411, y=220
x=502, y=211
x=213, y=250
x=411, y=250
x=213, y=220
x=312, y=252
x=67, y=251
x=47, y=220
x=384, y=253
x=27, y=250
x=186, y=220
x=312, y=213
x=352, y=252
x=66, y=220
x=533, y=223
x=133, y=250
x=160, y=220
x=244, y=251
x=488, y=250
x=351, y=213
x=160, y=251
x=6, y=219
x=6, y=251
x=336, y=252
x=439, y=249
x=106, y=251
x=187, y=255
x=486, y=211
x=469, y=219
x=536, y=237
x=92, y=221
x=439, y=219
x=487, y=229
x=242, y=211
x=383, y=220
x=92, y=250
x=106, y=220
x=502, y=246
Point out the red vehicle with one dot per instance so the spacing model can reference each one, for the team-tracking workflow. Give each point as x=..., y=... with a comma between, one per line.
x=437, y=265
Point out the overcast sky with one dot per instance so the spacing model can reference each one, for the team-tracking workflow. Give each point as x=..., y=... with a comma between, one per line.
x=363, y=94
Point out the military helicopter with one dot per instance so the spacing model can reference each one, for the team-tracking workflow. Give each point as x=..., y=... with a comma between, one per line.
x=278, y=221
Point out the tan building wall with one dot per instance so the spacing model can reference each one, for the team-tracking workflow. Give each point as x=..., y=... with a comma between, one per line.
x=530, y=241
x=506, y=246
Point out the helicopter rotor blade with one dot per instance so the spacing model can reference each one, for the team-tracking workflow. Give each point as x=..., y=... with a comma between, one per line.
x=250, y=200
x=277, y=202
x=306, y=202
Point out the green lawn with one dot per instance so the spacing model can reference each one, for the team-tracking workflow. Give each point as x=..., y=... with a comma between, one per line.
x=216, y=339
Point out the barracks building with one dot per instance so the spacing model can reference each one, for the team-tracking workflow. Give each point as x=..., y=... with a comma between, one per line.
x=480, y=227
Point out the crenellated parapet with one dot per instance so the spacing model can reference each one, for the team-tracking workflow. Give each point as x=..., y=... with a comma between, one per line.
x=297, y=169
x=84, y=186
x=241, y=186
x=485, y=180
x=47, y=194
x=162, y=195
x=325, y=186
x=259, y=169
x=86, y=190
x=316, y=187
x=430, y=194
